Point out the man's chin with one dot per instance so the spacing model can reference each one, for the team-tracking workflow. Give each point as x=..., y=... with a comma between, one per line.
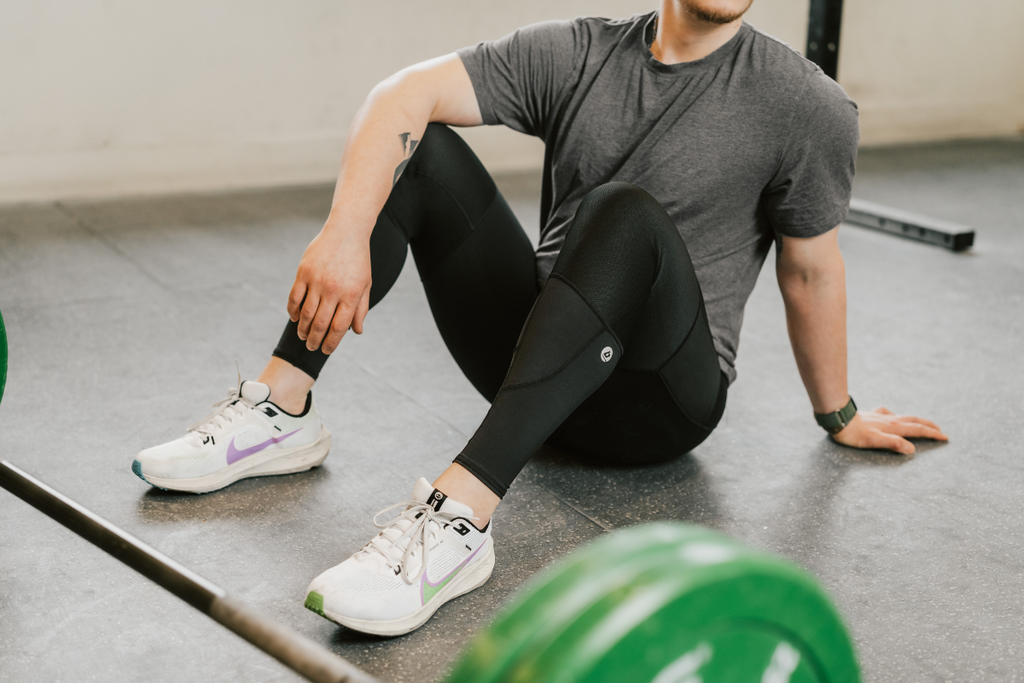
x=717, y=11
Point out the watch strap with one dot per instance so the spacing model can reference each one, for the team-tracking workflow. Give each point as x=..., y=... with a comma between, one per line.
x=835, y=422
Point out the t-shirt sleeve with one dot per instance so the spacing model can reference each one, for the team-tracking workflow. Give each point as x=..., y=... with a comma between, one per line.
x=518, y=78
x=810, y=191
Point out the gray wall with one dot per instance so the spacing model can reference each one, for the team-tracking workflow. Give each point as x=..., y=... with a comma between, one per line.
x=114, y=97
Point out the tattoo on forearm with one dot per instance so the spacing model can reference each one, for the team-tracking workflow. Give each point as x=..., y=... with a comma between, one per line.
x=408, y=146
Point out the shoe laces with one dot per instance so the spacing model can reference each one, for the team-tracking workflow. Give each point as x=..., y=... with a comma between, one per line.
x=419, y=523
x=224, y=413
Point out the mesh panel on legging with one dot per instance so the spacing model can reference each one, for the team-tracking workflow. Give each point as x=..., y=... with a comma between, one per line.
x=476, y=263
x=599, y=358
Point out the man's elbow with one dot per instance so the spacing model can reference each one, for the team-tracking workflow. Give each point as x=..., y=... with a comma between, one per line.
x=804, y=263
x=797, y=280
x=393, y=85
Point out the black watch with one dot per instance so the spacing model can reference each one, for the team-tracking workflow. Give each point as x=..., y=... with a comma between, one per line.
x=833, y=423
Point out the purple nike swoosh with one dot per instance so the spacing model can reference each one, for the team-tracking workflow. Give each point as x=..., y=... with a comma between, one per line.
x=234, y=455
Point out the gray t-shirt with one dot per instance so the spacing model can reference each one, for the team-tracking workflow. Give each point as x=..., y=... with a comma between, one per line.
x=748, y=143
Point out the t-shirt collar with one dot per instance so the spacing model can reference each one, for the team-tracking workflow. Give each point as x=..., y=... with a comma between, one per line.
x=645, y=37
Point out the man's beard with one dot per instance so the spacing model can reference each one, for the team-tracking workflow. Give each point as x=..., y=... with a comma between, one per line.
x=713, y=15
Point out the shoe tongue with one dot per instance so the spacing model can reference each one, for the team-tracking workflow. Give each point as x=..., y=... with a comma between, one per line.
x=424, y=492
x=254, y=391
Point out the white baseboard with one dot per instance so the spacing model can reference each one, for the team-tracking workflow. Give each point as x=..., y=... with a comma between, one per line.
x=119, y=172
x=116, y=172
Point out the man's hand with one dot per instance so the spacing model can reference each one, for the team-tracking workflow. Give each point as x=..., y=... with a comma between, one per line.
x=880, y=428
x=332, y=287
x=331, y=290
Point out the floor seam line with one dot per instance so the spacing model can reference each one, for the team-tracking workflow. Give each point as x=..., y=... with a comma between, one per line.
x=574, y=508
x=388, y=384
x=96, y=234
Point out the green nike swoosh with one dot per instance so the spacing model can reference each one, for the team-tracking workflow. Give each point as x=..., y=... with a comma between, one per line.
x=429, y=589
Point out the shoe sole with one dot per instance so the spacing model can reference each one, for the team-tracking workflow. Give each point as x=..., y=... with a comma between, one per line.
x=465, y=581
x=265, y=464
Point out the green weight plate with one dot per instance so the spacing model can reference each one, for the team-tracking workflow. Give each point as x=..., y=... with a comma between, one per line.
x=3, y=357
x=737, y=621
x=666, y=603
x=559, y=598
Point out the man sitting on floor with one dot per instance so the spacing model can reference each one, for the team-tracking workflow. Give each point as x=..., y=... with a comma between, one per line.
x=679, y=145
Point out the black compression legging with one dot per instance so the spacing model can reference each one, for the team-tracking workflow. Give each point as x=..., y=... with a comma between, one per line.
x=612, y=360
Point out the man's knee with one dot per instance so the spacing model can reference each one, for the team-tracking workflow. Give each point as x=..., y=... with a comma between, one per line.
x=441, y=151
x=438, y=138
x=442, y=163
x=623, y=214
x=619, y=223
x=617, y=196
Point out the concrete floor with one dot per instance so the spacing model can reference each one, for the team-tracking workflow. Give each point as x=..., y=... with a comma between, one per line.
x=126, y=318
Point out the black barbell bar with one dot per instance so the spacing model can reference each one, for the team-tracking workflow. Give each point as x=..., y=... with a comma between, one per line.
x=297, y=652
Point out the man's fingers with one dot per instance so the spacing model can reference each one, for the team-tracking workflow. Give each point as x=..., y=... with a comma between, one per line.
x=893, y=442
x=361, y=310
x=926, y=431
x=882, y=410
x=911, y=426
x=321, y=324
x=920, y=421
x=914, y=430
x=345, y=318
x=333, y=338
x=307, y=314
x=339, y=326
x=295, y=298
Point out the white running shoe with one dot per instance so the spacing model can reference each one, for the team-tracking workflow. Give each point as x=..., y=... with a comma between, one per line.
x=424, y=557
x=245, y=436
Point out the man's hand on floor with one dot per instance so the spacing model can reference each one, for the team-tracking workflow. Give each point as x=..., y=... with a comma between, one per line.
x=881, y=428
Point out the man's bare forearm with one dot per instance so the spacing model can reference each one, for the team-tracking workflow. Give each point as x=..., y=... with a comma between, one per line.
x=331, y=292
x=812, y=278
x=386, y=131
x=813, y=285
x=380, y=142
